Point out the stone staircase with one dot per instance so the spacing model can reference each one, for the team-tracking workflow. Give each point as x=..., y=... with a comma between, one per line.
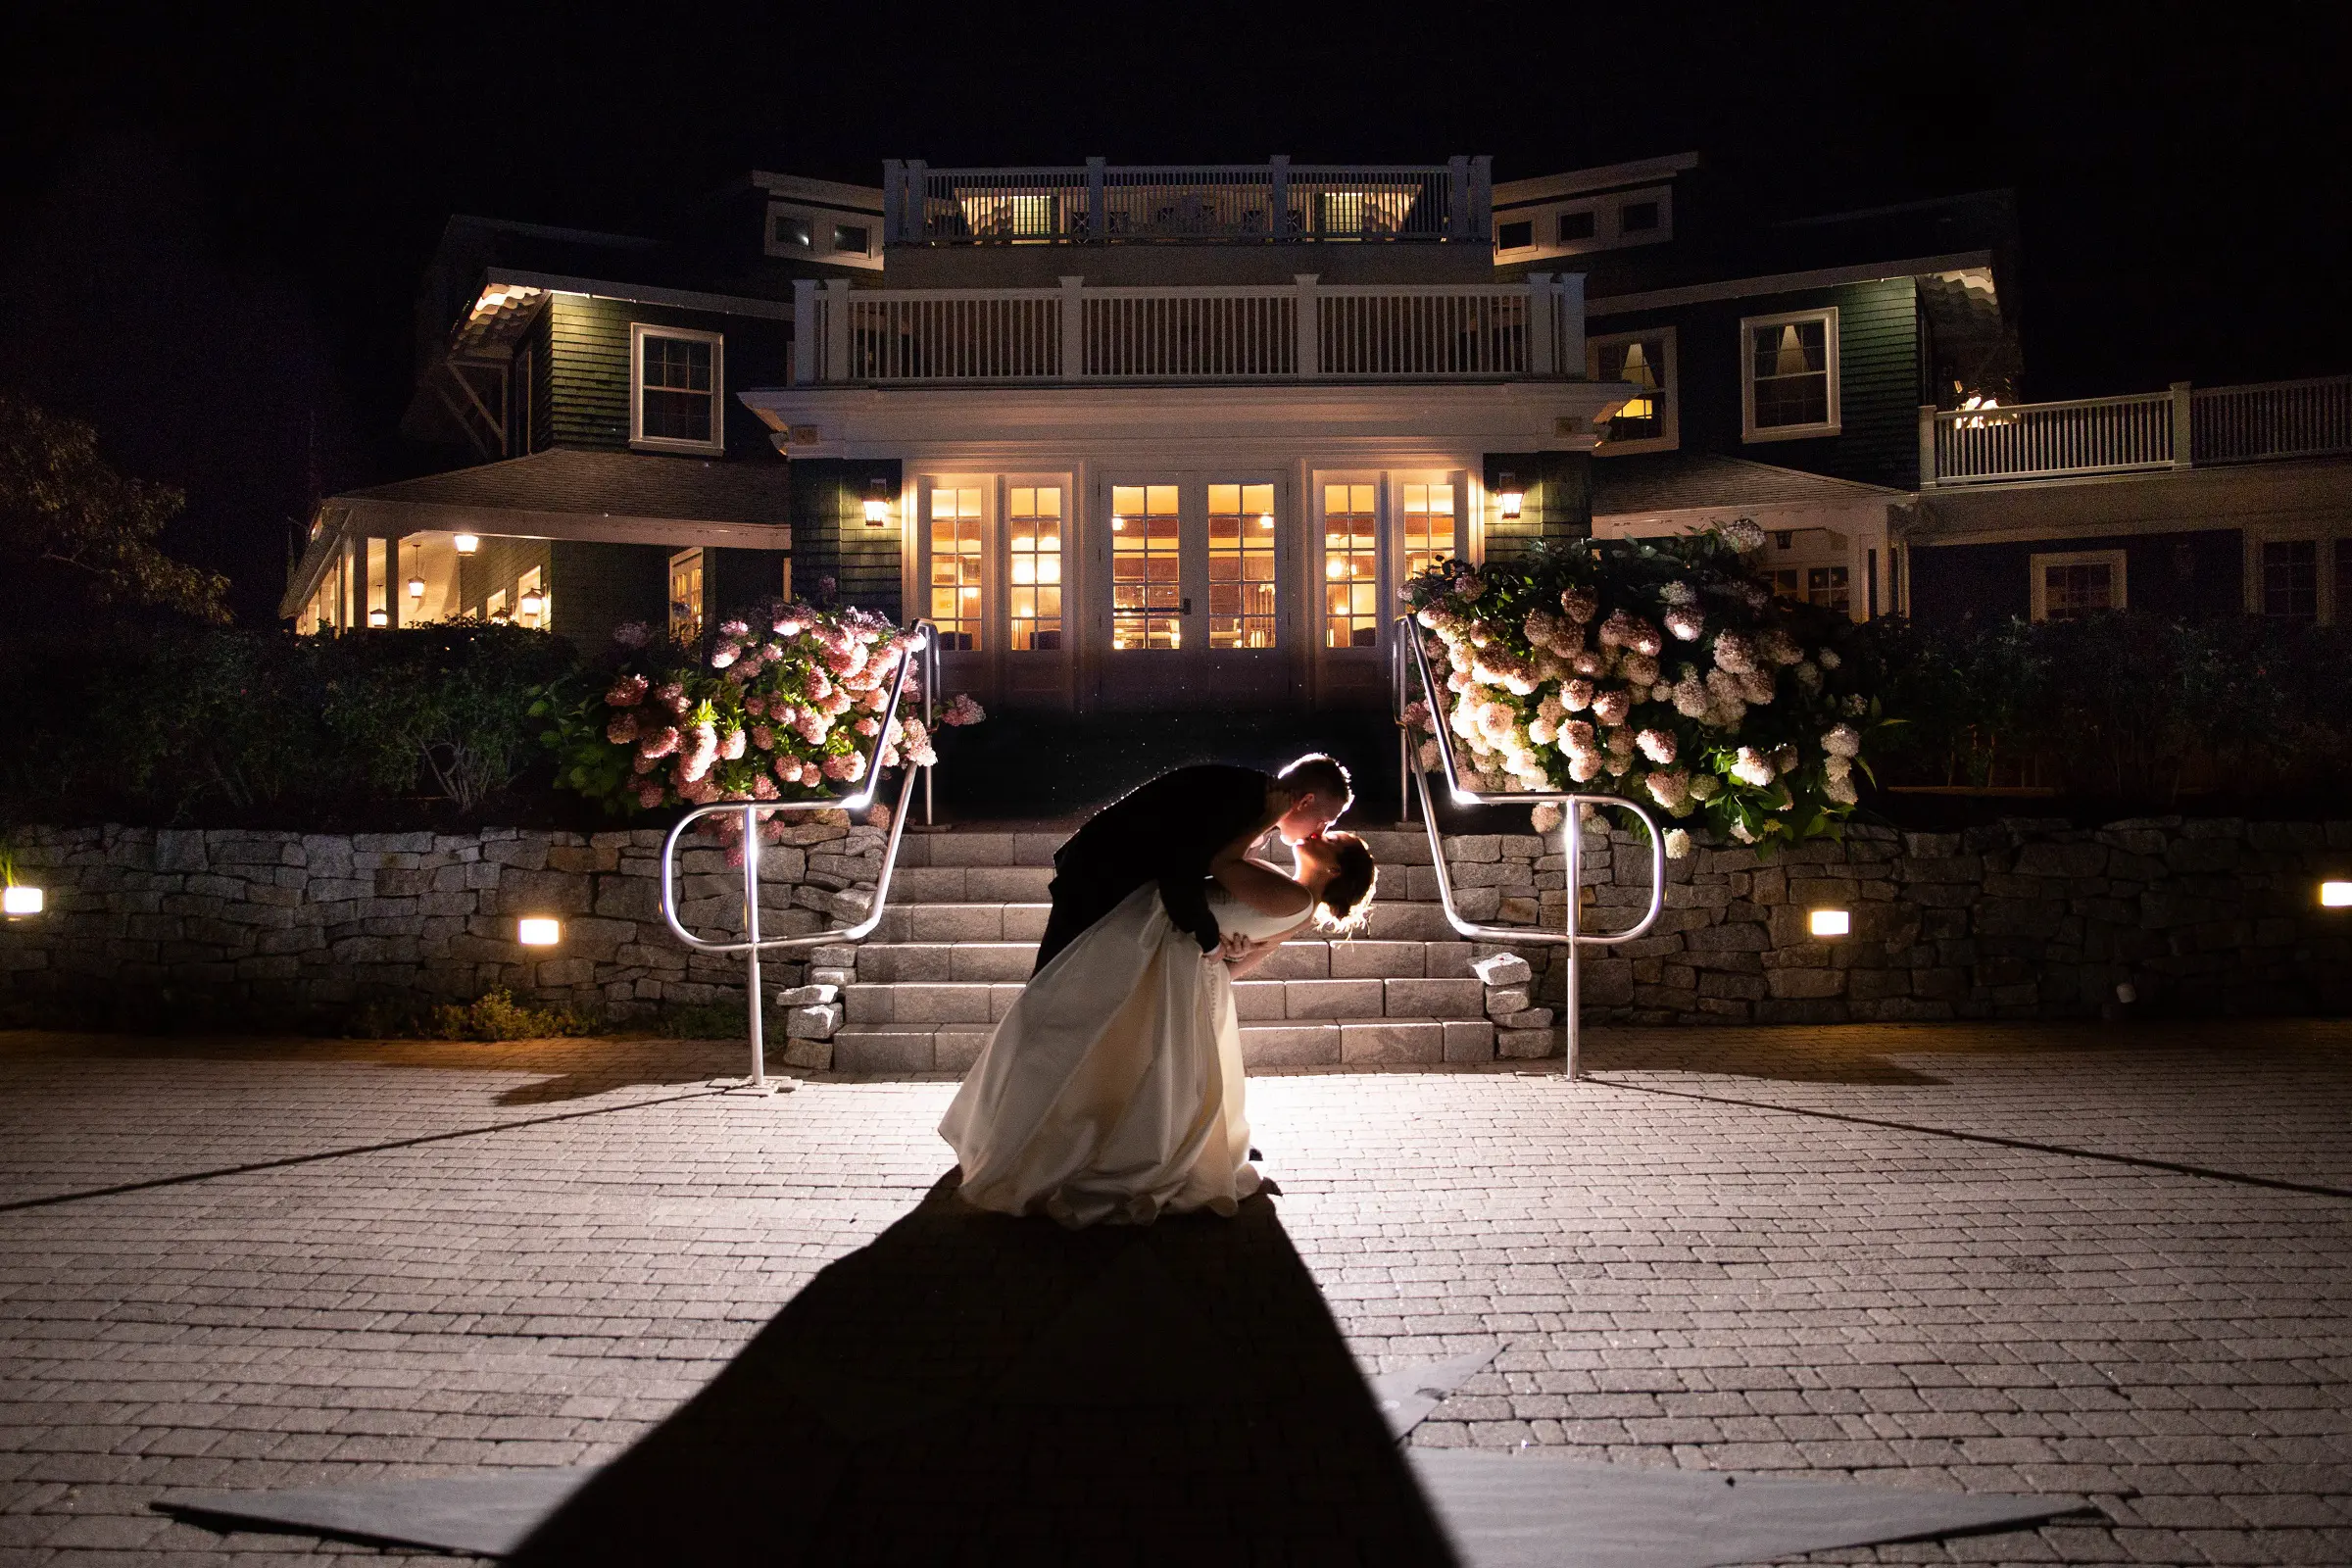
x=968, y=907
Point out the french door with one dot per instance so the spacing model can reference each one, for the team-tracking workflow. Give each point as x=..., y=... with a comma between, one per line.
x=1192, y=577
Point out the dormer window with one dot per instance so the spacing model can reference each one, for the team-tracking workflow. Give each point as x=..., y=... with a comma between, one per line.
x=675, y=376
x=1636, y=217
x=794, y=233
x=1515, y=236
x=1575, y=226
x=851, y=238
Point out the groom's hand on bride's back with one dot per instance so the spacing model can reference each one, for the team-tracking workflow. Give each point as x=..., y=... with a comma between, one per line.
x=1232, y=948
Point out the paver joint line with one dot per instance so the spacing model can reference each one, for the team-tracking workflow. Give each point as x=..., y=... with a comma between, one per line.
x=55, y=1198
x=2170, y=1167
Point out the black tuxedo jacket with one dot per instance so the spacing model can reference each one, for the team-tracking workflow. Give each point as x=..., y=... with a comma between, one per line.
x=1165, y=831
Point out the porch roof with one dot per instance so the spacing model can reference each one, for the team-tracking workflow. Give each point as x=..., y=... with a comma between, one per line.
x=1701, y=481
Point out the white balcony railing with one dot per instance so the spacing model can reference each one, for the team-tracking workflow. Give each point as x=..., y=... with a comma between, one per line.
x=1279, y=332
x=2184, y=427
x=1098, y=203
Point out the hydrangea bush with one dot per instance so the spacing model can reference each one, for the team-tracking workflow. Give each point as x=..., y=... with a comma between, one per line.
x=784, y=710
x=1660, y=670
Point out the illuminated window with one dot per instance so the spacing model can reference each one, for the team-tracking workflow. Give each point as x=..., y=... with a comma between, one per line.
x=1147, y=573
x=2069, y=587
x=1350, y=566
x=1032, y=545
x=1644, y=361
x=494, y=609
x=675, y=380
x=956, y=564
x=686, y=597
x=1825, y=586
x=1241, y=565
x=1788, y=375
x=1429, y=536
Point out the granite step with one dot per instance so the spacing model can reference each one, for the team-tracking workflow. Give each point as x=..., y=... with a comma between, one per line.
x=1299, y=958
x=979, y=1004
x=1387, y=1041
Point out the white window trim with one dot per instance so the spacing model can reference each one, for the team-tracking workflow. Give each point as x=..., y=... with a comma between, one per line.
x=639, y=331
x=1608, y=225
x=2039, y=564
x=1835, y=424
x=2254, y=538
x=821, y=222
x=993, y=631
x=1388, y=522
x=1671, y=394
x=1001, y=569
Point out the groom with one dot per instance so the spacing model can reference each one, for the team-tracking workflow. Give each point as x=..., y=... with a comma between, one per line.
x=1169, y=830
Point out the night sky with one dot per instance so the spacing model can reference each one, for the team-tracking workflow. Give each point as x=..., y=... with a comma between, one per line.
x=211, y=227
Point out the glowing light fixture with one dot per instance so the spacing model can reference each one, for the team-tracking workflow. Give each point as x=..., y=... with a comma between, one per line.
x=2336, y=895
x=16, y=901
x=379, y=618
x=1509, y=496
x=467, y=544
x=530, y=605
x=1829, y=922
x=538, y=931
x=416, y=576
x=877, y=503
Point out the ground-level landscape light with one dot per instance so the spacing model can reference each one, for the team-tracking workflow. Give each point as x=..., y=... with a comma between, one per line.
x=19, y=900
x=538, y=931
x=2336, y=895
x=1829, y=922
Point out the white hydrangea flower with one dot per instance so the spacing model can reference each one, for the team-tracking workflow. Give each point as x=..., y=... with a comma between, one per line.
x=1584, y=766
x=1756, y=687
x=1705, y=787
x=1842, y=742
x=1638, y=669
x=1751, y=767
x=1778, y=647
x=1744, y=533
x=1827, y=659
x=1734, y=653
x=1739, y=831
x=1857, y=704
x=1677, y=844
x=1808, y=675
x=1679, y=592
x=1686, y=622
x=1658, y=745
x=1544, y=818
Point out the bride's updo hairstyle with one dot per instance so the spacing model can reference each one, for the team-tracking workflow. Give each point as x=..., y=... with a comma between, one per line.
x=1345, y=901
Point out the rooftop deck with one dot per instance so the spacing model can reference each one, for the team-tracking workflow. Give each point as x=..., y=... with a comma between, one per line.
x=1096, y=203
x=2184, y=427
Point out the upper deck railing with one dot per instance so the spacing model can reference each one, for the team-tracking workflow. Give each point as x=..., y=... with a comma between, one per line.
x=1218, y=204
x=2184, y=427
x=1297, y=331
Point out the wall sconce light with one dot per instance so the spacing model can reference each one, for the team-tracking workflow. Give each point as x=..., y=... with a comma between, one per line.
x=2336, y=895
x=17, y=902
x=530, y=605
x=1829, y=922
x=877, y=503
x=379, y=618
x=1509, y=496
x=467, y=544
x=538, y=931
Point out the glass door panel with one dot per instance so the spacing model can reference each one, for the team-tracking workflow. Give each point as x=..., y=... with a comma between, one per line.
x=1146, y=568
x=1430, y=538
x=957, y=559
x=1351, y=565
x=1033, y=537
x=1241, y=565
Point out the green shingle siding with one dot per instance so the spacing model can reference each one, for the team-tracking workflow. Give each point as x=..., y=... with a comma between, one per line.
x=1878, y=370
x=1557, y=487
x=830, y=537
x=588, y=369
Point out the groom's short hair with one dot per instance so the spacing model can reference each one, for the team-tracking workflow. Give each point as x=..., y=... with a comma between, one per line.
x=1322, y=775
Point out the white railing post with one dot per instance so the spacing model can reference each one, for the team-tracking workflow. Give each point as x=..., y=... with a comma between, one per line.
x=2184, y=451
x=1568, y=319
x=1538, y=324
x=1927, y=446
x=917, y=208
x=1278, y=200
x=1095, y=232
x=804, y=330
x=894, y=204
x=1457, y=197
x=1310, y=326
x=1482, y=197
x=1073, y=328
x=837, y=329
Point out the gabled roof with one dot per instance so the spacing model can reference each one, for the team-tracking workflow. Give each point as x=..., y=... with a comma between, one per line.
x=614, y=484
x=1696, y=482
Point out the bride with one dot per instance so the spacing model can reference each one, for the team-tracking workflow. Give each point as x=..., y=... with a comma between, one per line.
x=1112, y=1090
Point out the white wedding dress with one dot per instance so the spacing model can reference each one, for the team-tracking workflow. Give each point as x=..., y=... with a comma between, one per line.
x=1112, y=1090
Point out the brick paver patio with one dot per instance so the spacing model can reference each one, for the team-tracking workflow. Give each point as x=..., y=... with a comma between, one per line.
x=2110, y=1263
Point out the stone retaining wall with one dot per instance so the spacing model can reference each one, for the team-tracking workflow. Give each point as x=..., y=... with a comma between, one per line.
x=265, y=925
x=2024, y=920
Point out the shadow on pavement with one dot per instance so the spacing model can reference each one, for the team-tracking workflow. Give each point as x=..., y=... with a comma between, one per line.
x=971, y=1388
x=1807, y=1057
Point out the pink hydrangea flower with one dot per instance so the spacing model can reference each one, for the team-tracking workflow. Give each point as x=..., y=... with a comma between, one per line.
x=627, y=692
x=661, y=743
x=648, y=795
x=622, y=731
x=1658, y=745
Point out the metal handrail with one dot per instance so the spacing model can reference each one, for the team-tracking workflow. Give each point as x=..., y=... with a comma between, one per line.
x=1572, y=832
x=754, y=944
